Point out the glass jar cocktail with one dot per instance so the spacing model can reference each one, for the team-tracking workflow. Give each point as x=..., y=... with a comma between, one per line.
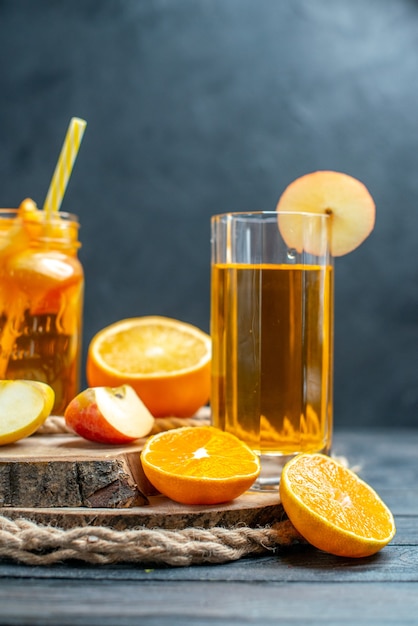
x=41, y=299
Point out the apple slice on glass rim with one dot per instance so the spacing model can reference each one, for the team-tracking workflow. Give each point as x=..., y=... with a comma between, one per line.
x=345, y=199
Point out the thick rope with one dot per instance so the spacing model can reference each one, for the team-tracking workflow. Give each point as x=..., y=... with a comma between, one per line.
x=55, y=424
x=34, y=544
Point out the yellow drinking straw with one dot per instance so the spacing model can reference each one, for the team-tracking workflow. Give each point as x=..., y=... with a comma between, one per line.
x=64, y=165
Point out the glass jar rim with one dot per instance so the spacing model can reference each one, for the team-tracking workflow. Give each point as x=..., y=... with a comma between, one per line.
x=64, y=215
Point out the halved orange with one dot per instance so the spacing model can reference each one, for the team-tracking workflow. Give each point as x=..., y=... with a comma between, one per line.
x=334, y=509
x=166, y=361
x=199, y=465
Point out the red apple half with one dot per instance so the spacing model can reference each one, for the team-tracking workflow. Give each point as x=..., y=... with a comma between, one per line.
x=111, y=415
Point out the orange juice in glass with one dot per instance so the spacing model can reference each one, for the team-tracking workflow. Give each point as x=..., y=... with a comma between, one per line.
x=41, y=300
x=272, y=333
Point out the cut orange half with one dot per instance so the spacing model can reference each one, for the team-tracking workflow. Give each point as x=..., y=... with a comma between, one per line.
x=333, y=509
x=166, y=361
x=199, y=465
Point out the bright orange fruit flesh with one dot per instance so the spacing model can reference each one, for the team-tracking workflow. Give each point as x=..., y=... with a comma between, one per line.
x=199, y=465
x=166, y=361
x=333, y=509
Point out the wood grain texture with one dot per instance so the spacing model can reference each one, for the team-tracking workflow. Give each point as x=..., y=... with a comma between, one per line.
x=250, y=509
x=207, y=603
x=66, y=471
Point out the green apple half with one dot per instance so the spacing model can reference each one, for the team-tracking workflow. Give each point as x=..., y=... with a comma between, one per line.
x=24, y=406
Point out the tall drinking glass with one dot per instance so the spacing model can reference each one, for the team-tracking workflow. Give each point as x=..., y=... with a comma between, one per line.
x=272, y=333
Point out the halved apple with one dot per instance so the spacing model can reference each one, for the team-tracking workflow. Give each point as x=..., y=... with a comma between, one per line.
x=344, y=198
x=112, y=415
x=24, y=406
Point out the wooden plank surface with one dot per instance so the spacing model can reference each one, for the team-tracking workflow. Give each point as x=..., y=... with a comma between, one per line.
x=297, y=585
x=175, y=603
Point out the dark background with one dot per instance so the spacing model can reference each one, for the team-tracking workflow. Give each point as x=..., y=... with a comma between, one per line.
x=196, y=107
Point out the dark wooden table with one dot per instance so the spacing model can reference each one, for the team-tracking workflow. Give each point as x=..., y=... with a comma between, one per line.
x=299, y=585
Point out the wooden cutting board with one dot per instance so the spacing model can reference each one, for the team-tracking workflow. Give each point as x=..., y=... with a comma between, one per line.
x=66, y=481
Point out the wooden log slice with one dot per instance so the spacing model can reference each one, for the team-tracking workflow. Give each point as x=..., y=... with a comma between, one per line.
x=67, y=471
x=252, y=509
x=65, y=481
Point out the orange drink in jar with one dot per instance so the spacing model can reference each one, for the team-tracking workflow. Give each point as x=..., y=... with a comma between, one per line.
x=41, y=299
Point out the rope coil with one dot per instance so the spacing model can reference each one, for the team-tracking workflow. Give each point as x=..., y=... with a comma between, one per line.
x=55, y=424
x=34, y=544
